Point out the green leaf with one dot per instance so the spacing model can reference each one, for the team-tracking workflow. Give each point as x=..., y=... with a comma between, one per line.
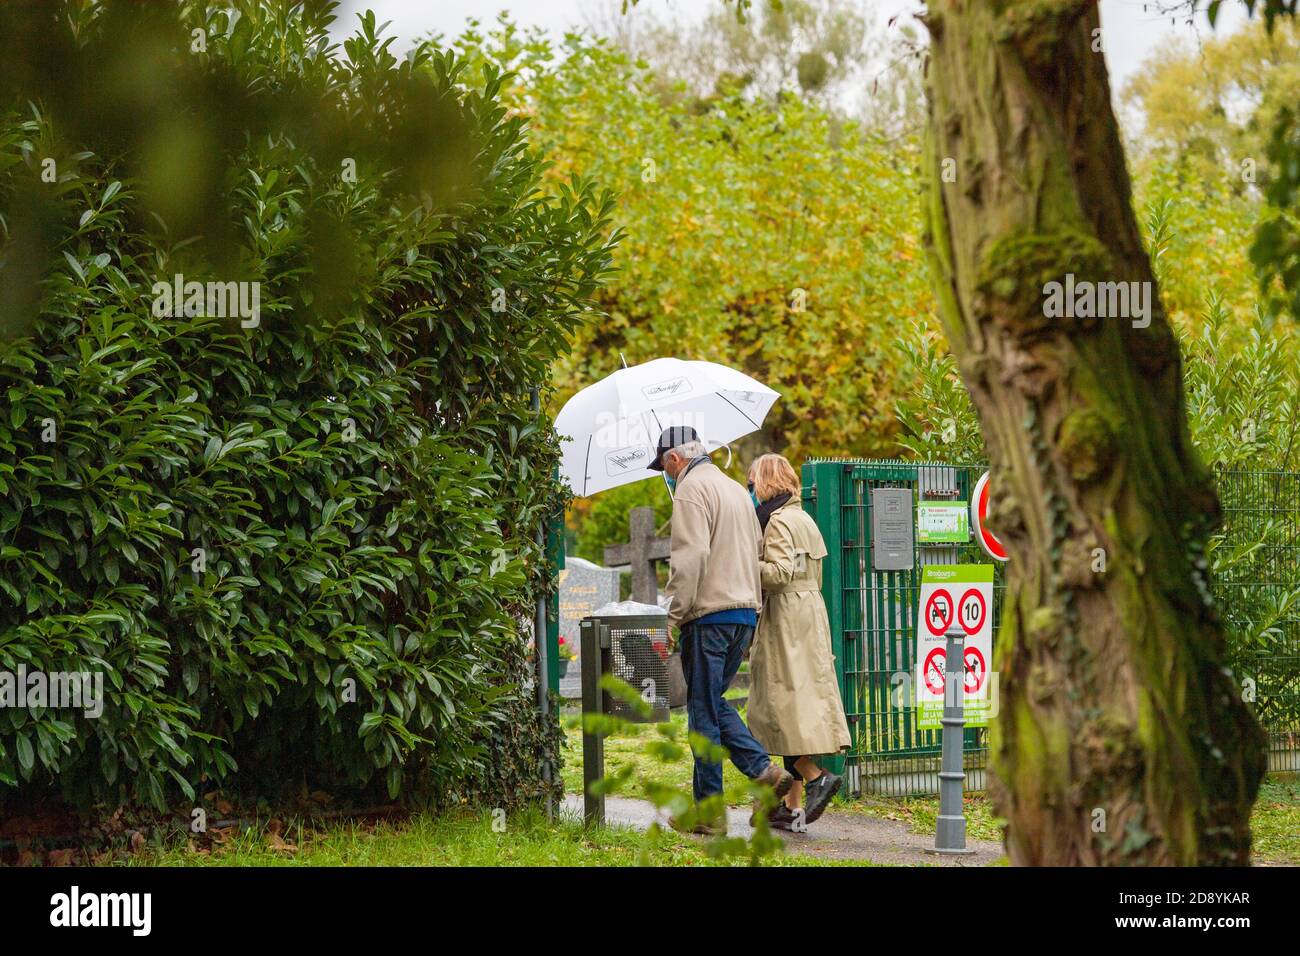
x=26, y=756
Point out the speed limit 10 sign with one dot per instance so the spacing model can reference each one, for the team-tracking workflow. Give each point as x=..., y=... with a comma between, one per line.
x=960, y=593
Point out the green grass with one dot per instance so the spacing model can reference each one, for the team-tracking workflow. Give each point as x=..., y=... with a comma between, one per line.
x=464, y=839
x=1275, y=821
x=469, y=839
x=451, y=840
x=919, y=813
x=628, y=749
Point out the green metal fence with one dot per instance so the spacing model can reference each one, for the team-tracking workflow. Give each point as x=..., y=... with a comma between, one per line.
x=873, y=620
x=1258, y=592
x=873, y=613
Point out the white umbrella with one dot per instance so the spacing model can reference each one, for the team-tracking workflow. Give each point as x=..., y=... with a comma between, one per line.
x=609, y=429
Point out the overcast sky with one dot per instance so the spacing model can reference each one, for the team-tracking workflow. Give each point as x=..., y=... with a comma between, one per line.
x=1132, y=28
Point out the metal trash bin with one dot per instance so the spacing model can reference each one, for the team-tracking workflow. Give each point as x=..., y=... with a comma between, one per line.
x=634, y=648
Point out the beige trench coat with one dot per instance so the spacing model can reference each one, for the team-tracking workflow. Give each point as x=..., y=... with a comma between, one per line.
x=794, y=698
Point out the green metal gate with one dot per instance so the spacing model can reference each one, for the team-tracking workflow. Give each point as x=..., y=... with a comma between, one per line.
x=873, y=613
x=873, y=620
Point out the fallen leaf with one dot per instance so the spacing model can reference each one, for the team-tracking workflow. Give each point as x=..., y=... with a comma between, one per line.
x=275, y=843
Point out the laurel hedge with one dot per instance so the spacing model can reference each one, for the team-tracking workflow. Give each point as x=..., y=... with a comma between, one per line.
x=302, y=553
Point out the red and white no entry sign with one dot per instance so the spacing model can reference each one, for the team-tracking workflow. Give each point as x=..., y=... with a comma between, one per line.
x=938, y=612
x=971, y=611
x=932, y=672
x=979, y=509
x=976, y=669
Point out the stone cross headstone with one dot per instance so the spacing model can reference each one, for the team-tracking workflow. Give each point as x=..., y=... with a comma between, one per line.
x=640, y=553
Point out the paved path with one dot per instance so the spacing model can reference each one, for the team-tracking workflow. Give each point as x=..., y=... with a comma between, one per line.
x=838, y=835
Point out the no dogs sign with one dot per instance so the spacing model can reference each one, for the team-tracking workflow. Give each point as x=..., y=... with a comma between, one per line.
x=961, y=593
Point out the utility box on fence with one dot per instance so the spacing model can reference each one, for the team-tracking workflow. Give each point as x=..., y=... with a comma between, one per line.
x=634, y=648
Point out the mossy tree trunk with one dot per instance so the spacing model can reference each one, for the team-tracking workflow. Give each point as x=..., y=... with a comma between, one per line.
x=1122, y=738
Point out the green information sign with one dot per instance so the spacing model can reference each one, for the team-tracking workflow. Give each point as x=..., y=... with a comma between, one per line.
x=942, y=522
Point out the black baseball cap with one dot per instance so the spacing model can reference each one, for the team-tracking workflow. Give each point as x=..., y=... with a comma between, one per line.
x=670, y=439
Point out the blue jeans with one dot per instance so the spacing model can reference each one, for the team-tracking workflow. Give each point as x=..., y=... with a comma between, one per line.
x=711, y=655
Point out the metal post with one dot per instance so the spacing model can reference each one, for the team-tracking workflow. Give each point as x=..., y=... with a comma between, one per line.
x=593, y=745
x=950, y=828
x=539, y=642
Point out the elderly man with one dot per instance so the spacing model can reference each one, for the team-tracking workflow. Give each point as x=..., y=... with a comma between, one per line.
x=713, y=594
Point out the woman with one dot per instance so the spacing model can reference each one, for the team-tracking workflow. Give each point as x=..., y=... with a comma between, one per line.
x=794, y=699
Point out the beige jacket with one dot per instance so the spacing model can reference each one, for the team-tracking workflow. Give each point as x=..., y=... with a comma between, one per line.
x=794, y=697
x=716, y=537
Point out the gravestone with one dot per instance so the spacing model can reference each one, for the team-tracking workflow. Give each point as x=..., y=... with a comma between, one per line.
x=584, y=587
x=640, y=553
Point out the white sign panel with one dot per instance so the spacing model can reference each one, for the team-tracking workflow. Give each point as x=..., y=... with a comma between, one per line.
x=964, y=593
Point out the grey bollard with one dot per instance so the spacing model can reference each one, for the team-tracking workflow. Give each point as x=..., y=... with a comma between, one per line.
x=950, y=828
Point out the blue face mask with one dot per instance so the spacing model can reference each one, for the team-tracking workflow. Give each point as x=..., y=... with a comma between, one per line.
x=672, y=483
x=753, y=497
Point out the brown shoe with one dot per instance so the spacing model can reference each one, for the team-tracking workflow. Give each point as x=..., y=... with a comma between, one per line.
x=703, y=828
x=780, y=817
x=777, y=778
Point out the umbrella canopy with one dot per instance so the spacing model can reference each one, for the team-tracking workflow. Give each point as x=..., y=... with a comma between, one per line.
x=608, y=430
